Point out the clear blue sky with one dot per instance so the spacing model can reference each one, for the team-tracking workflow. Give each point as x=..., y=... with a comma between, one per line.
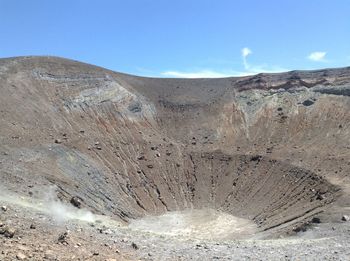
x=182, y=37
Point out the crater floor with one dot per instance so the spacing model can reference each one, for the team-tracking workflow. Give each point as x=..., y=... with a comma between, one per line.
x=196, y=224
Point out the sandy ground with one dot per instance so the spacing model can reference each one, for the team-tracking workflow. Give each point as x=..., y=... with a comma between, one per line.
x=38, y=233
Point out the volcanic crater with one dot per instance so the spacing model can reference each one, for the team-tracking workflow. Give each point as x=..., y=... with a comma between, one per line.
x=272, y=150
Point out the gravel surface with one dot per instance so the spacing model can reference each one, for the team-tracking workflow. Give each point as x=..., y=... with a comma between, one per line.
x=37, y=237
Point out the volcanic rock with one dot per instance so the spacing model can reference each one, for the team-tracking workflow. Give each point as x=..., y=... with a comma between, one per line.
x=345, y=218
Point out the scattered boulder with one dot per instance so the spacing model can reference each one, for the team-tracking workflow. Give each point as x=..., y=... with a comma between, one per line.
x=63, y=238
x=269, y=150
x=32, y=226
x=301, y=227
x=134, y=246
x=283, y=118
x=135, y=107
x=21, y=256
x=256, y=158
x=105, y=231
x=76, y=201
x=10, y=232
x=320, y=196
x=345, y=218
x=316, y=220
x=7, y=231
x=4, y=208
x=58, y=141
x=141, y=157
x=308, y=102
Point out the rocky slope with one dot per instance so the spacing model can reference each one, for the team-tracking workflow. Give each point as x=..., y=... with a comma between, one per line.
x=270, y=148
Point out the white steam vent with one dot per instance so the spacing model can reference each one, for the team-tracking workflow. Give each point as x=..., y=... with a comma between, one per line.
x=48, y=203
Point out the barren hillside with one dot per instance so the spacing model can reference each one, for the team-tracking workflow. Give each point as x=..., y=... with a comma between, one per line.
x=271, y=149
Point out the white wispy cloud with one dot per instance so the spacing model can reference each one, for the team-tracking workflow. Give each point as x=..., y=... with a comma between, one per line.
x=249, y=69
x=255, y=69
x=317, y=56
x=245, y=52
